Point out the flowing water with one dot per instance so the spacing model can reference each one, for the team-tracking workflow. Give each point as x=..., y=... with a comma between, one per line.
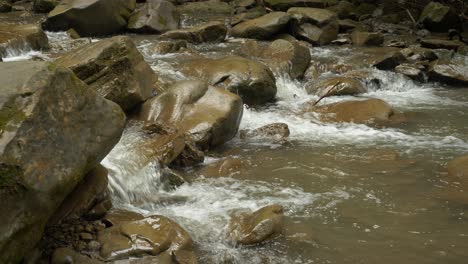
x=352, y=193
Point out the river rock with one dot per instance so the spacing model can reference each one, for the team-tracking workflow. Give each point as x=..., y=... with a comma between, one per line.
x=90, y=17
x=150, y=236
x=52, y=135
x=20, y=36
x=317, y=26
x=284, y=5
x=155, y=16
x=5, y=6
x=389, y=60
x=440, y=44
x=264, y=27
x=287, y=57
x=44, y=6
x=275, y=131
x=438, y=17
x=226, y=167
x=251, y=13
x=367, y=38
x=344, y=10
x=413, y=71
x=66, y=256
x=115, y=69
x=251, y=80
x=449, y=73
x=210, y=115
x=416, y=54
x=361, y=112
x=194, y=13
x=458, y=168
x=208, y=32
x=337, y=86
x=259, y=226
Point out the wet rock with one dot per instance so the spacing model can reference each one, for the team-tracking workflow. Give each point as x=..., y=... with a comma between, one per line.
x=195, y=13
x=20, y=36
x=458, y=170
x=44, y=6
x=317, y=26
x=419, y=54
x=52, y=135
x=389, y=61
x=210, y=115
x=287, y=57
x=208, y=32
x=90, y=17
x=164, y=47
x=367, y=38
x=88, y=193
x=116, y=216
x=5, y=6
x=337, y=86
x=440, y=44
x=224, y=168
x=413, y=71
x=284, y=5
x=251, y=13
x=114, y=68
x=347, y=25
x=155, y=16
x=449, y=73
x=190, y=155
x=259, y=226
x=264, y=27
x=67, y=256
x=150, y=236
x=251, y=80
x=361, y=112
x=275, y=131
x=438, y=17
x=344, y=10
x=170, y=180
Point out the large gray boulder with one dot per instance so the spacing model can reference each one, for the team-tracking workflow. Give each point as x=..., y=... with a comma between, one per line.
x=438, y=17
x=264, y=27
x=115, y=69
x=155, y=16
x=210, y=115
x=315, y=25
x=18, y=37
x=52, y=134
x=90, y=17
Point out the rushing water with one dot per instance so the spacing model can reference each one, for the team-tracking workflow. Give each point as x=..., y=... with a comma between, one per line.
x=352, y=193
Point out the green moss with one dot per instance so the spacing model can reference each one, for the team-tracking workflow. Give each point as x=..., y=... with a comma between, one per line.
x=10, y=115
x=10, y=177
x=162, y=20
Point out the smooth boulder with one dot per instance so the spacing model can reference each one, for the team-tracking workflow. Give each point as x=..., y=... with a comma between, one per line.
x=449, y=73
x=90, y=17
x=252, y=228
x=264, y=27
x=210, y=115
x=337, y=86
x=155, y=16
x=52, y=135
x=289, y=57
x=315, y=25
x=115, y=69
x=18, y=37
x=208, y=32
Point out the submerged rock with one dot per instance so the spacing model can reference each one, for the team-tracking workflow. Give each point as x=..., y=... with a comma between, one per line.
x=20, y=37
x=449, y=73
x=115, y=69
x=210, y=115
x=275, y=131
x=251, y=80
x=367, y=38
x=155, y=16
x=208, y=32
x=5, y=6
x=317, y=26
x=337, y=86
x=52, y=134
x=224, y=168
x=150, y=236
x=264, y=27
x=90, y=17
x=259, y=226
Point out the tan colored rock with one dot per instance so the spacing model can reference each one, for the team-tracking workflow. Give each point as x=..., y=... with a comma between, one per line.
x=259, y=226
x=367, y=38
x=275, y=131
x=155, y=16
x=287, y=57
x=20, y=36
x=263, y=27
x=315, y=25
x=337, y=86
x=66, y=256
x=208, y=32
x=227, y=167
x=449, y=73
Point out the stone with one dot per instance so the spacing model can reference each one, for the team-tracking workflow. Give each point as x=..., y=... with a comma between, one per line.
x=289, y=57
x=170, y=46
x=18, y=36
x=194, y=13
x=251, y=80
x=5, y=6
x=155, y=16
x=116, y=216
x=264, y=27
x=66, y=256
x=419, y=54
x=448, y=73
x=253, y=228
x=458, y=170
x=275, y=131
x=284, y=5
x=346, y=25
x=210, y=115
x=412, y=71
x=367, y=38
x=251, y=13
x=90, y=17
x=440, y=44
x=356, y=111
x=52, y=135
x=438, y=17
x=208, y=32
x=224, y=168
x=44, y=6
x=317, y=26
x=344, y=10
x=115, y=69
x=389, y=61
x=190, y=155
x=339, y=85
x=150, y=236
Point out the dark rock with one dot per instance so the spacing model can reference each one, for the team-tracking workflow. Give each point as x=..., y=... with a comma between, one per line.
x=44, y=6
x=52, y=135
x=440, y=44
x=209, y=32
x=414, y=72
x=155, y=16
x=389, y=61
x=115, y=69
x=284, y=5
x=264, y=27
x=438, y=17
x=194, y=13
x=367, y=38
x=90, y=17
x=317, y=26
x=449, y=73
